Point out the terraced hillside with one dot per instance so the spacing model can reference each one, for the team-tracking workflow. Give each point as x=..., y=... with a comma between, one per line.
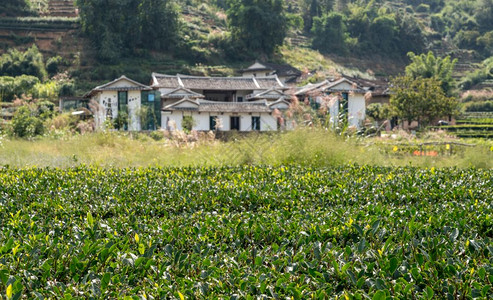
x=61, y=8
x=56, y=31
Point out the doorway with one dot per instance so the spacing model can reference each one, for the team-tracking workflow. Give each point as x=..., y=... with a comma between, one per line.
x=235, y=123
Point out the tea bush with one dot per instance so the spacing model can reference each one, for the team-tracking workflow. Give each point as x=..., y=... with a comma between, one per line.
x=246, y=232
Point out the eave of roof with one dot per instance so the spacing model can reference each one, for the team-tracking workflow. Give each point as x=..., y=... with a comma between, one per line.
x=105, y=87
x=223, y=107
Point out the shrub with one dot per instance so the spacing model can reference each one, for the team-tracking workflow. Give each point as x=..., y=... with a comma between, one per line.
x=16, y=86
x=157, y=135
x=16, y=63
x=378, y=111
x=187, y=123
x=53, y=64
x=423, y=8
x=26, y=123
x=484, y=106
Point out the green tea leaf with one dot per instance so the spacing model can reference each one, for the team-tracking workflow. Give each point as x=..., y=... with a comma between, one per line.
x=379, y=295
x=90, y=220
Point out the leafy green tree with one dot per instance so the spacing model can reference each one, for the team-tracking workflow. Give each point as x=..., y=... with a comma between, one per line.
x=486, y=43
x=484, y=15
x=358, y=23
x=384, y=33
x=378, y=111
x=120, y=27
x=380, y=29
x=26, y=123
x=329, y=33
x=410, y=36
x=420, y=99
x=160, y=25
x=315, y=8
x=429, y=66
x=14, y=7
x=17, y=63
x=257, y=26
x=16, y=86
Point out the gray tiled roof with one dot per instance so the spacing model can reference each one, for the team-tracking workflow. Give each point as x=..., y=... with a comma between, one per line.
x=216, y=83
x=165, y=80
x=107, y=86
x=219, y=83
x=280, y=70
x=268, y=82
x=181, y=93
x=329, y=86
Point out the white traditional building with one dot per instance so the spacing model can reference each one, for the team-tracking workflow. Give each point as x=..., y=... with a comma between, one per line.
x=184, y=102
x=123, y=97
x=191, y=103
x=343, y=98
x=220, y=103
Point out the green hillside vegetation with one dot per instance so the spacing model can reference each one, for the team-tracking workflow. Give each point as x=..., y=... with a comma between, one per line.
x=220, y=32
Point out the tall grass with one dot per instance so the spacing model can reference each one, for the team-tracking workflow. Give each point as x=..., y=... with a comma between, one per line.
x=306, y=147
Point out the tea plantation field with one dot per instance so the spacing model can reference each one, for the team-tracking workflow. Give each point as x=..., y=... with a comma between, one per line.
x=246, y=233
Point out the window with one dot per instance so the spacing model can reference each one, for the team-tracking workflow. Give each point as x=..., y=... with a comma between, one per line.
x=235, y=123
x=255, y=123
x=149, y=111
x=122, y=101
x=212, y=122
x=122, y=117
x=344, y=103
x=239, y=99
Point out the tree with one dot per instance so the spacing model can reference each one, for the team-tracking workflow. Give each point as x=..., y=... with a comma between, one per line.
x=329, y=33
x=378, y=111
x=159, y=23
x=429, y=66
x=383, y=33
x=315, y=8
x=26, y=123
x=16, y=63
x=484, y=15
x=119, y=27
x=14, y=7
x=420, y=99
x=257, y=26
x=16, y=86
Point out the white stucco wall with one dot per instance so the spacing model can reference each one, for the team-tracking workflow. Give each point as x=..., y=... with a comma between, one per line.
x=168, y=118
x=258, y=73
x=165, y=90
x=134, y=102
x=267, y=121
x=242, y=94
x=356, y=110
x=201, y=121
x=343, y=86
x=108, y=108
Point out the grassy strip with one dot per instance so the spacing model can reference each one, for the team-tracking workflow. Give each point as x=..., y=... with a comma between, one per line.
x=302, y=147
